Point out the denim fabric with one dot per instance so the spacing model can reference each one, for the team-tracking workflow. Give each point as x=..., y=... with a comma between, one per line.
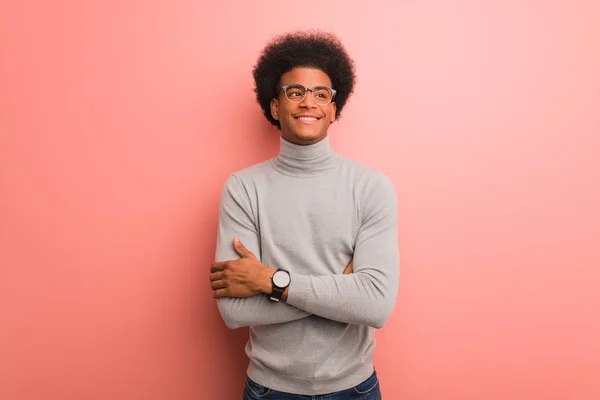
x=367, y=390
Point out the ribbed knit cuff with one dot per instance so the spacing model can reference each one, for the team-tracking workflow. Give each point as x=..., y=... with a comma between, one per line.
x=298, y=290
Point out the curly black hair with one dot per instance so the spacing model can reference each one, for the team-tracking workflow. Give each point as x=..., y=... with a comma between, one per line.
x=308, y=49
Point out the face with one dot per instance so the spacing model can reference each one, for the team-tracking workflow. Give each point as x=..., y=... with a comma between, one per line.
x=306, y=122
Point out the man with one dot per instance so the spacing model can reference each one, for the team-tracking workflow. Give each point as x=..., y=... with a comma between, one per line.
x=307, y=251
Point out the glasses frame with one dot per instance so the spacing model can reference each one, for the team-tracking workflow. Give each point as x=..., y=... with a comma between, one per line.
x=306, y=90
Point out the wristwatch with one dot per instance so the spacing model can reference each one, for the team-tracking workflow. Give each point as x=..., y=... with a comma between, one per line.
x=281, y=280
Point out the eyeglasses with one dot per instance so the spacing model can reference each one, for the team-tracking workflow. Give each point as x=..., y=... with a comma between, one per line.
x=322, y=95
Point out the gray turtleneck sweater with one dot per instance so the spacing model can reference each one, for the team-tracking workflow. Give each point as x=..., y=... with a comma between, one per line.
x=310, y=211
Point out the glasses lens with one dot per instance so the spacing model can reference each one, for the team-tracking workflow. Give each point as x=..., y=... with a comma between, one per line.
x=322, y=95
x=295, y=93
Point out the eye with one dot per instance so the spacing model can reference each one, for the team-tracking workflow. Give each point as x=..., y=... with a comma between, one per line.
x=294, y=91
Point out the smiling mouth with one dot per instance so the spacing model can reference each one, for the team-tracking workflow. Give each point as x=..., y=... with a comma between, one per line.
x=307, y=119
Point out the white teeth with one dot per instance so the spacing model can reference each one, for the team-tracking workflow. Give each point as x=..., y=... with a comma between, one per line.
x=307, y=118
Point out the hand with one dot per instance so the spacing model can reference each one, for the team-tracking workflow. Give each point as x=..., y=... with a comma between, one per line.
x=245, y=277
x=349, y=268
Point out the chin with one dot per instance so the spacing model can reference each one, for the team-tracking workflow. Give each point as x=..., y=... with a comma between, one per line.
x=303, y=134
x=308, y=136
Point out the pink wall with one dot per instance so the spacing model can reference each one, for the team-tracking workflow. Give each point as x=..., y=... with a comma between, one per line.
x=120, y=121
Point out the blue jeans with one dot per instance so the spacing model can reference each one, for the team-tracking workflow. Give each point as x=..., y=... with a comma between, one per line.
x=367, y=390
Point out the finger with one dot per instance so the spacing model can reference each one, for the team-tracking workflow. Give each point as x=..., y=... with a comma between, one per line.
x=218, y=266
x=220, y=284
x=219, y=293
x=241, y=249
x=216, y=276
x=349, y=268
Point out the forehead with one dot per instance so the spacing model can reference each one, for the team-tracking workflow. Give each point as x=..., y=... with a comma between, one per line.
x=308, y=77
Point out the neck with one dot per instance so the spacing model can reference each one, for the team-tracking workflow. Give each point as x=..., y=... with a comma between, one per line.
x=307, y=160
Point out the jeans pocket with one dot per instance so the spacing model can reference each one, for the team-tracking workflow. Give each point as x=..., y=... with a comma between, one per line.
x=368, y=386
x=255, y=390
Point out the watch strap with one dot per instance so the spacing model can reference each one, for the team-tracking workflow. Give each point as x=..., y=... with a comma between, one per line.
x=276, y=293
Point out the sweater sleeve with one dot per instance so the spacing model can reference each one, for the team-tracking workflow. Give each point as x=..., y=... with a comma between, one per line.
x=236, y=218
x=367, y=296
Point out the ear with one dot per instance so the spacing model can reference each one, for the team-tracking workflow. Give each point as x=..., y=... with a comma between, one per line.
x=275, y=109
x=334, y=110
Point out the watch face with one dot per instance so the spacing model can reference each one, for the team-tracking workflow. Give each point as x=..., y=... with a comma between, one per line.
x=281, y=278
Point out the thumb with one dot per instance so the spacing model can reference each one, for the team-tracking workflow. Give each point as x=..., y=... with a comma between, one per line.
x=241, y=249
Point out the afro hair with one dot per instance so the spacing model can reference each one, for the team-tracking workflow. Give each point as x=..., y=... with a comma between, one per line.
x=307, y=49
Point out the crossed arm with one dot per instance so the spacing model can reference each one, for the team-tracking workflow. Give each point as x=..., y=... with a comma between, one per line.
x=365, y=294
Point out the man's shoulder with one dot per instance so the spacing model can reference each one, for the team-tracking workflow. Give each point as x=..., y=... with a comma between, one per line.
x=241, y=183
x=366, y=175
x=374, y=187
x=246, y=178
x=254, y=171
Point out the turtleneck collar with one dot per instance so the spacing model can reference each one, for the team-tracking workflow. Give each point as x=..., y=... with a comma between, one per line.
x=311, y=160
